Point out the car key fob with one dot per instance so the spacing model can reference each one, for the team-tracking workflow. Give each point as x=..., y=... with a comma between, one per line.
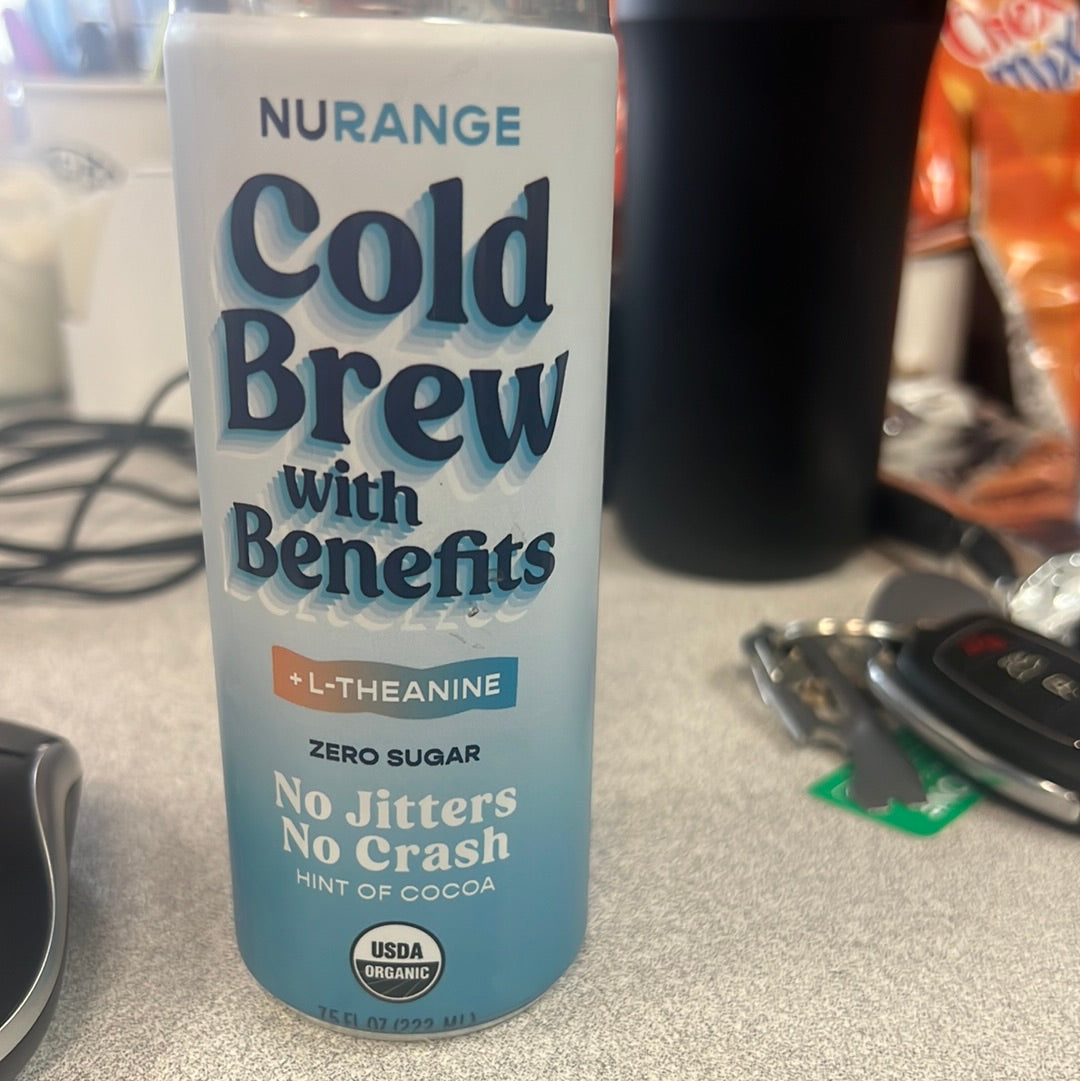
x=1001, y=702
x=39, y=790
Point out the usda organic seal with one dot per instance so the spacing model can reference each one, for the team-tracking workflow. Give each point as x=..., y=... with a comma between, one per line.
x=397, y=962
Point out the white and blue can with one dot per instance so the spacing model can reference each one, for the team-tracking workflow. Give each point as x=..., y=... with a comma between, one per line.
x=395, y=241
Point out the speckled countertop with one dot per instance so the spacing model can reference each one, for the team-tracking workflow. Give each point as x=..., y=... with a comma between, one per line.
x=738, y=927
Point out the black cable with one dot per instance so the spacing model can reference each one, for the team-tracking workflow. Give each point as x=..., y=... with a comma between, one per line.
x=123, y=452
x=904, y=516
x=39, y=444
x=131, y=487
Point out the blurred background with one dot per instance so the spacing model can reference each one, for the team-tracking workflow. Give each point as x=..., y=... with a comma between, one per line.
x=87, y=226
x=983, y=312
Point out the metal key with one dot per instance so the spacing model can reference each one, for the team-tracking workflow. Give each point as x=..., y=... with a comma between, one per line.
x=813, y=676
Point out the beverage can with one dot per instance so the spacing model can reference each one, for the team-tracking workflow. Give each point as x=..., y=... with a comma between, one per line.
x=395, y=243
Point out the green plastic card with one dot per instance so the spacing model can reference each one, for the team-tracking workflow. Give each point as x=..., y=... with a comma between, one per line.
x=948, y=794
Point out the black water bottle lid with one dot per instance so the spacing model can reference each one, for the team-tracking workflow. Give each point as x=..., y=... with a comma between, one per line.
x=669, y=10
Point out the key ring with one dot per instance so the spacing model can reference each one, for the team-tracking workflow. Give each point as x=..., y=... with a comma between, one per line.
x=882, y=630
x=813, y=674
x=788, y=679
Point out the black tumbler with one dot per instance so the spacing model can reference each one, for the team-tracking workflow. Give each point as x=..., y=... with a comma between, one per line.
x=769, y=157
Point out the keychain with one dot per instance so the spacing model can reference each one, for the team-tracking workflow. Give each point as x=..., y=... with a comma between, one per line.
x=813, y=675
x=999, y=702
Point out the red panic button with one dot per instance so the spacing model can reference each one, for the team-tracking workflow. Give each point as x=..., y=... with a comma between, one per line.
x=976, y=645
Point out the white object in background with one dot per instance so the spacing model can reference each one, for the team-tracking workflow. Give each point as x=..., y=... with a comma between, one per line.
x=933, y=314
x=31, y=349
x=126, y=339
x=123, y=125
x=107, y=143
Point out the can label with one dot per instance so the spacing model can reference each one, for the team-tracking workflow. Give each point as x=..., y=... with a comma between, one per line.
x=395, y=240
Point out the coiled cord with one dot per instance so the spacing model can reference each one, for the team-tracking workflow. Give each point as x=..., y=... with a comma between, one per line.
x=37, y=448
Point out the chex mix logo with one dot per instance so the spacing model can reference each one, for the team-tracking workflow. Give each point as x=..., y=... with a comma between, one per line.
x=1027, y=44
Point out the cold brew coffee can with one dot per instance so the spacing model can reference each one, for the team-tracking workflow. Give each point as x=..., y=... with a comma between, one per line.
x=395, y=240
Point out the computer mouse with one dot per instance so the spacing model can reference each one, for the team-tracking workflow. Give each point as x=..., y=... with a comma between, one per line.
x=40, y=780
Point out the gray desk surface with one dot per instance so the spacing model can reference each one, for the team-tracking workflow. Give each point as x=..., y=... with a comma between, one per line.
x=739, y=928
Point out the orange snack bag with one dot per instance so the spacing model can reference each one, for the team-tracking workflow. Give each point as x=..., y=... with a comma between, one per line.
x=998, y=164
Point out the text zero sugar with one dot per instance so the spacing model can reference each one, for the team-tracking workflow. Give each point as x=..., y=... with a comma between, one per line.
x=395, y=237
